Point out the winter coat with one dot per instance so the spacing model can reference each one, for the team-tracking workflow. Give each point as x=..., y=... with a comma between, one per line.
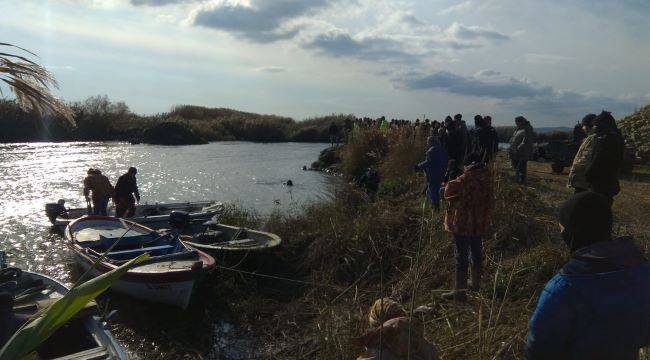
x=603, y=170
x=521, y=143
x=435, y=165
x=126, y=187
x=469, y=198
x=596, y=307
x=455, y=146
x=483, y=142
x=582, y=160
x=99, y=185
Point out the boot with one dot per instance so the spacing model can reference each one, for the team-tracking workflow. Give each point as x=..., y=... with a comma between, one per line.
x=460, y=289
x=475, y=282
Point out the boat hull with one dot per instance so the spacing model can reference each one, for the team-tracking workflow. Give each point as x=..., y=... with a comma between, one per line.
x=175, y=293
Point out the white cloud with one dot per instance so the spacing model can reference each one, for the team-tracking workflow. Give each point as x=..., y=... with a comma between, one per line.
x=459, y=8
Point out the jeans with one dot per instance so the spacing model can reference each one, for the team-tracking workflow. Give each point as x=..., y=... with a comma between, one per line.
x=464, y=246
x=433, y=190
x=99, y=207
x=520, y=167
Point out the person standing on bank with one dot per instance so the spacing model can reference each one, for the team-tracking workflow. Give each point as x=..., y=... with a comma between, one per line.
x=598, y=305
x=609, y=148
x=469, y=212
x=521, y=148
x=434, y=167
x=126, y=194
x=101, y=189
x=584, y=156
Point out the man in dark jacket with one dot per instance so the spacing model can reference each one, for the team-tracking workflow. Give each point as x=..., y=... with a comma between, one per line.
x=126, y=194
x=481, y=138
x=487, y=119
x=603, y=170
x=434, y=167
x=598, y=305
x=454, y=145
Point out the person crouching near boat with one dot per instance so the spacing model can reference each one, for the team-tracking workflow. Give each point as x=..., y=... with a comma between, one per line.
x=434, y=167
x=468, y=216
x=598, y=305
x=126, y=194
x=97, y=188
x=394, y=335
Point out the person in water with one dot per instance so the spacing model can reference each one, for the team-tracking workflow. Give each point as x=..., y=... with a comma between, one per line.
x=434, y=167
x=469, y=199
x=394, y=335
x=98, y=189
x=126, y=194
x=598, y=305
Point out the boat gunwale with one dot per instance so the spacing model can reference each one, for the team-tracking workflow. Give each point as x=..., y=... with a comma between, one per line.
x=277, y=240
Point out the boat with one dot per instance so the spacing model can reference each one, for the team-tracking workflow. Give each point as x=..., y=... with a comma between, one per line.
x=85, y=336
x=169, y=276
x=211, y=236
x=154, y=216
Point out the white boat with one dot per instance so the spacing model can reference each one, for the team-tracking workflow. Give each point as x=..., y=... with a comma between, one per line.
x=85, y=336
x=169, y=276
x=154, y=216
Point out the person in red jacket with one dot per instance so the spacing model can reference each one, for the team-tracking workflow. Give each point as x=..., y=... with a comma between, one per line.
x=469, y=213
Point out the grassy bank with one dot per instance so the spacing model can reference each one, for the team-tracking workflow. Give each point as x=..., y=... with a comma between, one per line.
x=341, y=255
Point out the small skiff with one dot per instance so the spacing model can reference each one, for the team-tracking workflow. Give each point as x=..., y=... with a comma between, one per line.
x=85, y=336
x=214, y=237
x=154, y=216
x=168, y=277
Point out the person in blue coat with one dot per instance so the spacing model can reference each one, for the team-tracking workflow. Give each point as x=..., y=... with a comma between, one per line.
x=434, y=167
x=598, y=305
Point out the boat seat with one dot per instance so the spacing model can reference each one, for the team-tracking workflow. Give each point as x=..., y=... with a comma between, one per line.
x=127, y=242
x=130, y=254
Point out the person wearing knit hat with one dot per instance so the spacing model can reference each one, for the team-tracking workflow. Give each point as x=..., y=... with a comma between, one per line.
x=598, y=305
x=521, y=148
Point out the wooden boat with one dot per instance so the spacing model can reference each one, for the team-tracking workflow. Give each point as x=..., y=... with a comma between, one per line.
x=154, y=216
x=168, y=277
x=85, y=336
x=215, y=237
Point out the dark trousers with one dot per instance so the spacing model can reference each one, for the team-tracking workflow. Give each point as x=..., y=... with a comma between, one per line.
x=520, y=167
x=99, y=207
x=124, y=207
x=466, y=245
x=433, y=190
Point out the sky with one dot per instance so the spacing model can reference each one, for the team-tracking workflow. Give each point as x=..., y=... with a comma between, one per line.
x=551, y=61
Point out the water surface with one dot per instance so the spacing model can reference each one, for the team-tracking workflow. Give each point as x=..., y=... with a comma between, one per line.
x=32, y=174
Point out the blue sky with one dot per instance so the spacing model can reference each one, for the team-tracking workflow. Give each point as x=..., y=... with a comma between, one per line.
x=552, y=61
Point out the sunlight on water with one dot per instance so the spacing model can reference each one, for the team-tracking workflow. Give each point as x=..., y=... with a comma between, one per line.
x=36, y=173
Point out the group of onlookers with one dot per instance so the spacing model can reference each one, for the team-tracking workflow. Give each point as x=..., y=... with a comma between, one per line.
x=598, y=305
x=98, y=190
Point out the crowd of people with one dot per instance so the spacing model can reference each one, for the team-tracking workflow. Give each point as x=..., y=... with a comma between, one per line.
x=598, y=305
x=98, y=191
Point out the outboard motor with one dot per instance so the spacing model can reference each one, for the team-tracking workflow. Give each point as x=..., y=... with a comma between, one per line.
x=179, y=219
x=53, y=210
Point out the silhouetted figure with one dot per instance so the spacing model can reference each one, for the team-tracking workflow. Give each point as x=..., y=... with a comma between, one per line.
x=334, y=133
x=434, y=167
x=481, y=140
x=101, y=189
x=126, y=194
x=598, y=305
x=521, y=148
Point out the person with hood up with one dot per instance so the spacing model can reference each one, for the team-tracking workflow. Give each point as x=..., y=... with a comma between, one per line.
x=521, y=148
x=101, y=189
x=126, y=194
x=602, y=172
x=469, y=213
x=434, y=167
x=394, y=335
x=598, y=305
x=481, y=140
x=584, y=156
x=454, y=145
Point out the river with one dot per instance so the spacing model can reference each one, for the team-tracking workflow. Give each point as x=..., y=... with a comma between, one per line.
x=251, y=174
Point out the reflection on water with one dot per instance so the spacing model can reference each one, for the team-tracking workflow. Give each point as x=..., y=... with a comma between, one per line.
x=36, y=173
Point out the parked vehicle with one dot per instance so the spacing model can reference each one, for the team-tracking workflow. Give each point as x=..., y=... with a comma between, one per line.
x=169, y=276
